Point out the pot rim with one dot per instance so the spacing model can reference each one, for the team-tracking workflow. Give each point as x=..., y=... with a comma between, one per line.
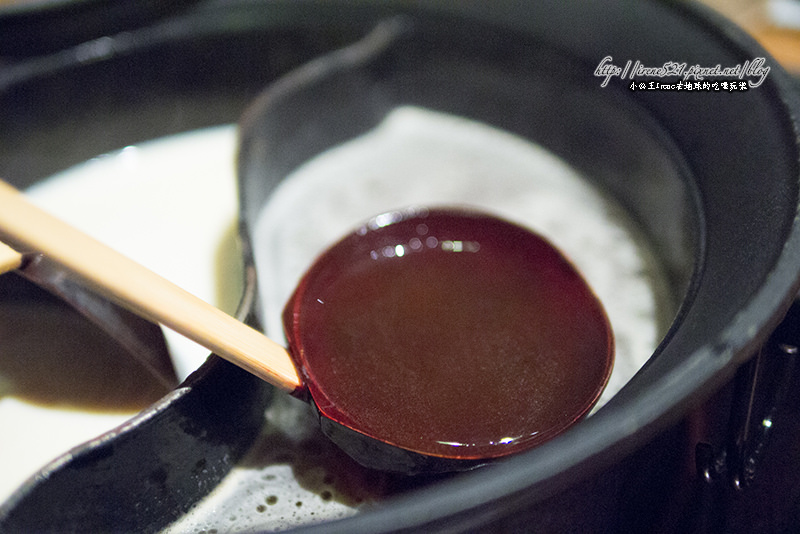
x=705, y=369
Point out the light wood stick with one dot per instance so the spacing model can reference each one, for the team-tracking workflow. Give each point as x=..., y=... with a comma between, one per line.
x=27, y=228
x=10, y=259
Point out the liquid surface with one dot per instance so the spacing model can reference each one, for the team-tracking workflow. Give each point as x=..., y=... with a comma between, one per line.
x=450, y=333
x=53, y=357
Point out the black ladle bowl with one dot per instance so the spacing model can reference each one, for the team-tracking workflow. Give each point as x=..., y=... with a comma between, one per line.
x=434, y=340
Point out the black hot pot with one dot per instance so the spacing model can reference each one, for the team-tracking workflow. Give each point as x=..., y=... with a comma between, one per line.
x=711, y=177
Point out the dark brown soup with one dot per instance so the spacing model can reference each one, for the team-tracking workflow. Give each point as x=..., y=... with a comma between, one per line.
x=450, y=333
x=53, y=356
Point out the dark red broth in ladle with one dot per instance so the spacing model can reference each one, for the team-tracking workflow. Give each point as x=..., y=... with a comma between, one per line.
x=449, y=333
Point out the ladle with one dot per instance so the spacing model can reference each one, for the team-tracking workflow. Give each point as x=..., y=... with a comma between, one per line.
x=481, y=342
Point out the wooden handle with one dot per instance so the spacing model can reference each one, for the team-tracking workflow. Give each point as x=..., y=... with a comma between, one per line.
x=10, y=259
x=29, y=229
